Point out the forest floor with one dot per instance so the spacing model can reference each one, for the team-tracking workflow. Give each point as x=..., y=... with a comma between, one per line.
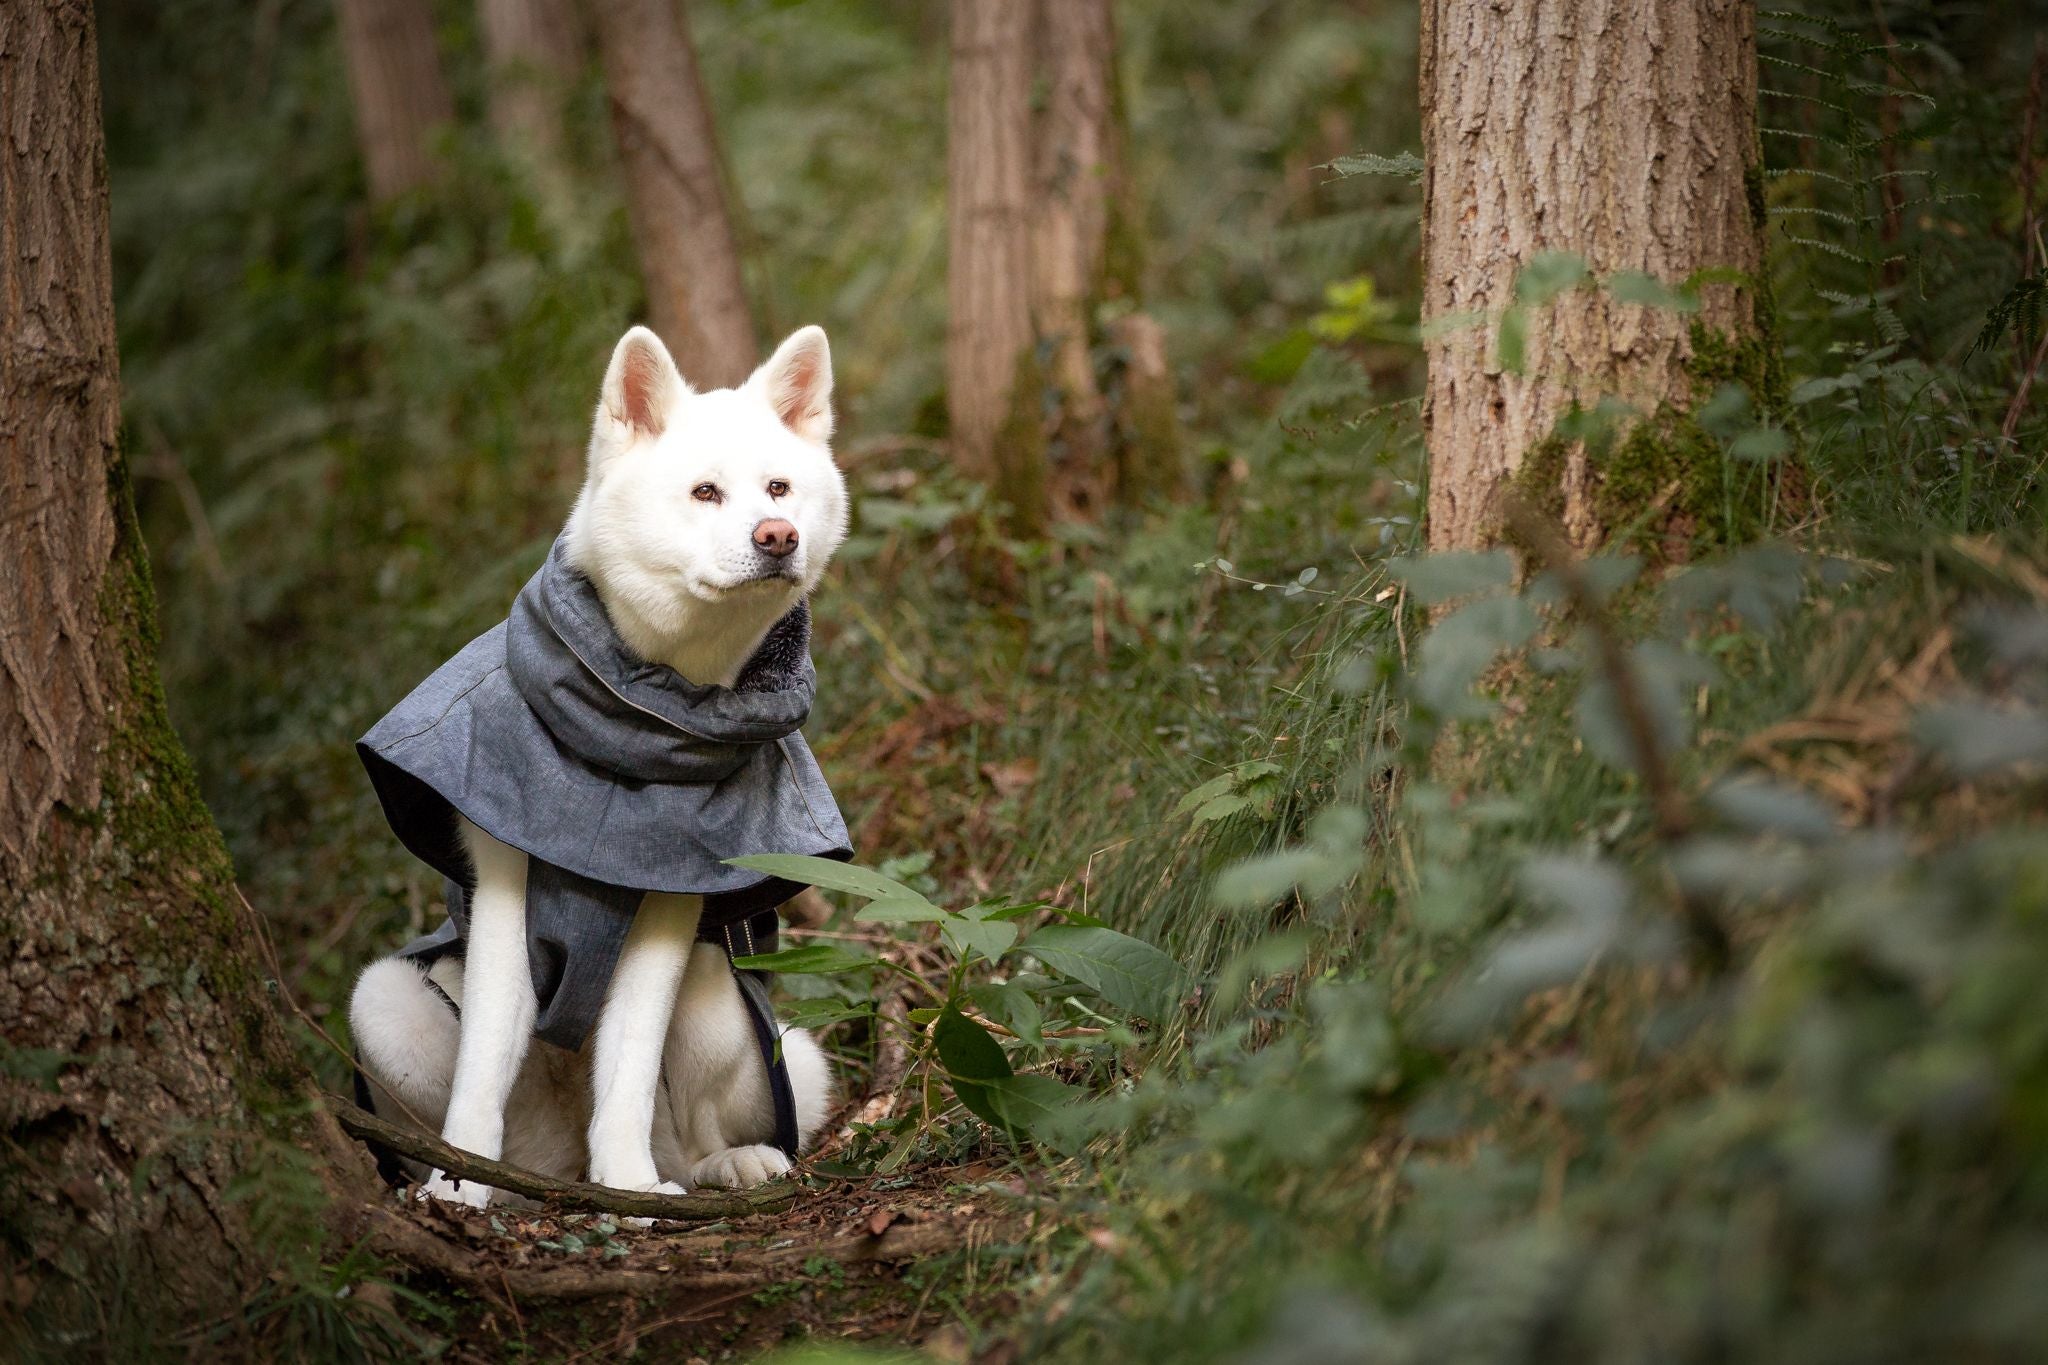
x=850, y=1259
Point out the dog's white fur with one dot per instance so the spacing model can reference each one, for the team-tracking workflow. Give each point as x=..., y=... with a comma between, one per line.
x=670, y=1091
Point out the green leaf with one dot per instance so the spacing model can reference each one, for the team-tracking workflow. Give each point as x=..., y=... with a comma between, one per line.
x=1974, y=737
x=1457, y=573
x=1548, y=274
x=1634, y=286
x=973, y=1060
x=824, y=1010
x=826, y=872
x=1127, y=972
x=1012, y=1006
x=1764, y=443
x=899, y=910
x=1460, y=647
x=1511, y=341
x=811, y=957
x=1038, y=1105
x=968, y=932
x=1217, y=787
x=1407, y=165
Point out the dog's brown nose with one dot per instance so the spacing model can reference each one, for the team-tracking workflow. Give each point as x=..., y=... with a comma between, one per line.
x=775, y=537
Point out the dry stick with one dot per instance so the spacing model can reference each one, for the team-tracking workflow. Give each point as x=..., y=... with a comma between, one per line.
x=569, y=1194
x=1667, y=803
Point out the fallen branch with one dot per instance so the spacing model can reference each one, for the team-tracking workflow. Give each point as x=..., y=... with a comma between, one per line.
x=564, y=1194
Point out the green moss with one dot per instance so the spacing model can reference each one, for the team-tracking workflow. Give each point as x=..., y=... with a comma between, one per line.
x=1151, y=460
x=1665, y=482
x=1022, y=448
x=172, y=849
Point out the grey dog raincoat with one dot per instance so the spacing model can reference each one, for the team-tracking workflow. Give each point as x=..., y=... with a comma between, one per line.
x=616, y=777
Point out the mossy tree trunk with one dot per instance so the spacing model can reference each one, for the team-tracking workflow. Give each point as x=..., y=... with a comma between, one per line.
x=676, y=191
x=142, y=1071
x=400, y=96
x=1624, y=135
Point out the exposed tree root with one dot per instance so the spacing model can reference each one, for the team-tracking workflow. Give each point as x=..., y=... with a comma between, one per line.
x=562, y=1194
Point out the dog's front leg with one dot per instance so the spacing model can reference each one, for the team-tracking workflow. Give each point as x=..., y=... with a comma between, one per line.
x=497, y=1011
x=630, y=1034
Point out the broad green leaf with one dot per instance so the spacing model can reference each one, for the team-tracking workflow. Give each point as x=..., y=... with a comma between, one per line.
x=1664, y=678
x=899, y=910
x=1219, y=786
x=1007, y=910
x=1012, y=1006
x=1457, y=573
x=810, y=957
x=1548, y=274
x=973, y=1059
x=1038, y=1105
x=1127, y=972
x=1463, y=645
x=1974, y=737
x=821, y=1011
x=1634, y=286
x=1222, y=807
x=825, y=872
x=1764, y=443
x=1511, y=341
x=968, y=933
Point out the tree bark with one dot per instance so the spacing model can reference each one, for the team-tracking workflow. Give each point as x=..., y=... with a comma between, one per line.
x=675, y=191
x=394, y=78
x=534, y=49
x=993, y=378
x=1077, y=164
x=140, y=1053
x=1624, y=134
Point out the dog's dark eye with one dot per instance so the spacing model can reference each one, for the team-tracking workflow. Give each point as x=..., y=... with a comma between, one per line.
x=778, y=488
x=707, y=492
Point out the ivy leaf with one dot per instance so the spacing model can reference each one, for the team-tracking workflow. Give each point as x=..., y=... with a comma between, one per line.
x=1127, y=972
x=828, y=873
x=809, y=958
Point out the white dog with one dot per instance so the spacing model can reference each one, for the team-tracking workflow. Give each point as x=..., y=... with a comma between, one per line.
x=704, y=519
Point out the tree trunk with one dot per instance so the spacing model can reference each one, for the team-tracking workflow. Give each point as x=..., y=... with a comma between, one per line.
x=1076, y=166
x=675, y=187
x=535, y=51
x=993, y=378
x=394, y=77
x=1625, y=135
x=140, y=1051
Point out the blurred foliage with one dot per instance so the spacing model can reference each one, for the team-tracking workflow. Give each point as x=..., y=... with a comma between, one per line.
x=1460, y=1082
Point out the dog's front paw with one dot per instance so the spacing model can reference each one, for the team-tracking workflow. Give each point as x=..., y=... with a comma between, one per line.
x=741, y=1168
x=469, y=1192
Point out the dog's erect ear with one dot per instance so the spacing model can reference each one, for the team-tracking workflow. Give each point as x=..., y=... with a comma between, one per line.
x=642, y=385
x=797, y=382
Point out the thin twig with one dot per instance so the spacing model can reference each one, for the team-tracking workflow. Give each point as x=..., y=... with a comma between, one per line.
x=567, y=1194
x=1667, y=804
